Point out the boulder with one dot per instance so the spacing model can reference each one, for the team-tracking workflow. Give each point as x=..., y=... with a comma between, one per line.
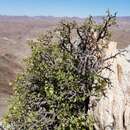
x=113, y=110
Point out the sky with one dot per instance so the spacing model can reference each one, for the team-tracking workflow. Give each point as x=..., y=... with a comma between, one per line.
x=80, y=8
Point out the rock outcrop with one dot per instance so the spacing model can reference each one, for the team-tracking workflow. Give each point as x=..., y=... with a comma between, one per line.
x=113, y=110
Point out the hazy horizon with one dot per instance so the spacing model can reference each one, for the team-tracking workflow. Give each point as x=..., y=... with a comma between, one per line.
x=2, y=15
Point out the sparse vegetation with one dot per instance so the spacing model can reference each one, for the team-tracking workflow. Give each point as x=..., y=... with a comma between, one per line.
x=63, y=72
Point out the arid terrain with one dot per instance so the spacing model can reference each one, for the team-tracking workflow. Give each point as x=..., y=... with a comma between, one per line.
x=16, y=30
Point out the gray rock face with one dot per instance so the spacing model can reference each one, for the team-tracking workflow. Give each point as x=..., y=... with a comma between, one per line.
x=113, y=110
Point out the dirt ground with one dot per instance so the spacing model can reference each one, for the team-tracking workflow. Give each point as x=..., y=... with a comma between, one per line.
x=3, y=104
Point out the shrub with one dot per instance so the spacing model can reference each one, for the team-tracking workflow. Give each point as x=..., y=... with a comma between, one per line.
x=62, y=73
